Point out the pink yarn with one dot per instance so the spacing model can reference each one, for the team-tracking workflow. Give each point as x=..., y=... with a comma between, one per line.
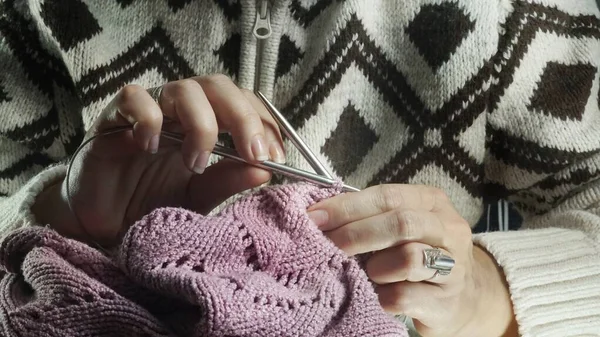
x=260, y=268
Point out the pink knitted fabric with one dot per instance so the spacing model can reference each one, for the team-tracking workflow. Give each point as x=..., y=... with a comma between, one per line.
x=260, y=268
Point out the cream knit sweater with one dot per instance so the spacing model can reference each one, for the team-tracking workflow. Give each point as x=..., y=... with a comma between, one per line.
x=482, y=98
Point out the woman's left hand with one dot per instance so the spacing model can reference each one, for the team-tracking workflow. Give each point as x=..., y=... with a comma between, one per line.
x=397, y=223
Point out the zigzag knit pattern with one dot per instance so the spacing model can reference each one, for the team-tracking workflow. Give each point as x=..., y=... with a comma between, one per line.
x=486, y=100
x=426, y=98
x=260, y=268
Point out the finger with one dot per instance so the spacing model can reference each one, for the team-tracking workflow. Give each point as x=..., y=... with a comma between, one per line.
x=134, y=106
x=236, y=115
x=403, y=263
x=426, y=331
x=417, y=300
x=222, y=180
x=185, y=102
x=345, y=208
x=389, y=229
x=272, y=132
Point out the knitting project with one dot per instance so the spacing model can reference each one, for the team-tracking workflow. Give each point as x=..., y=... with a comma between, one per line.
x=259, y=268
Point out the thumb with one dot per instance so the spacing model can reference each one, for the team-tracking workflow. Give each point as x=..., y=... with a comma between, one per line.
x=221, y=181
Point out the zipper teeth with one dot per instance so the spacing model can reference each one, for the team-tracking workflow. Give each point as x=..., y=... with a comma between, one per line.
x=258, y=65
x=261, y=31
x=263, y=8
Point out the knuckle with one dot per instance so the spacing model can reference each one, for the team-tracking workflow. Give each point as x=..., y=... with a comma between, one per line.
x=128, y=91
x=406, y=265
x=346, y=210
x=268, y=121
x=260, y=111
x=217, y=79
x=182, y=87
x=414, y=258
x=243, y=117
x=458, y=237
x=350, y=238
x=154, y=119
x=463, y=224
x=245, y=122
x=390, y=196
x=403, y=224
x=438, y=193
x=204, y=130
x=414, y=262
x=208, y=132
x=248, y=117
x=462, y=228
x=434, y=196
x=399, y=301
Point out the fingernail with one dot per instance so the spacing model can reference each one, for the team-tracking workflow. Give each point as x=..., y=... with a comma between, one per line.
x=201, y=162
x=318, y=217
x=277, y=153
x=259, y=150
x=153, y=144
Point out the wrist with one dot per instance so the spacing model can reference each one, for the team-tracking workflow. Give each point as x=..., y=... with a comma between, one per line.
x=497, y=302
x=52, y=209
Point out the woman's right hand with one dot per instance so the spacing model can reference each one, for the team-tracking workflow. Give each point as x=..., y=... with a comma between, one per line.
x=117, y=179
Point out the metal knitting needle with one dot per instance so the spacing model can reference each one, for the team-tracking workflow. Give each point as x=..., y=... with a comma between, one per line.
x=219, y=150
x=268, y=165
x=289, y=132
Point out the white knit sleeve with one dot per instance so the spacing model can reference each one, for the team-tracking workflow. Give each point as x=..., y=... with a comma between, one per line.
x=543, y=154
x=551, y=266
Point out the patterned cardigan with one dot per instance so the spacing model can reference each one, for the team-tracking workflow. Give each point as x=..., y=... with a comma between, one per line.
x=484, y=99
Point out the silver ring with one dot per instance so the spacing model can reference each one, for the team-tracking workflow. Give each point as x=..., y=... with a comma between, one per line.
x=434, y=259
x=155, y=93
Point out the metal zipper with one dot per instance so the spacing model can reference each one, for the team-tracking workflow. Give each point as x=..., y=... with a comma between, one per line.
x=262, y=31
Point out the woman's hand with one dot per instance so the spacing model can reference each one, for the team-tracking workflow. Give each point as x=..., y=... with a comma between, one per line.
x=117, y=179
x=398, y=222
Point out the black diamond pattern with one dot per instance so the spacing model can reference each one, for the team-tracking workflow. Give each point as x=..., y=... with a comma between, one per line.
x=438, y=30
x=306, y=16
x=349, y=142
x=563, y=90
x=364, y=53
x=289, y=55
x=4, y=95
x=176, y=5
x=125, y=3
x=70, y=21
x=231, y=9
x=229, y=54
x=353, y=46
x=43, y=69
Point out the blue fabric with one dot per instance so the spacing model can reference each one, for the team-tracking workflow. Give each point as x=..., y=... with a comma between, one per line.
x=498, y=215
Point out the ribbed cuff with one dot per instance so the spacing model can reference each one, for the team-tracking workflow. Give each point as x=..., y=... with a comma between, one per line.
x=553, y=277
x=15, y=211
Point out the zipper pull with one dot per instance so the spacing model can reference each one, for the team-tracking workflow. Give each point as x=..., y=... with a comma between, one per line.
x=262, y=25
